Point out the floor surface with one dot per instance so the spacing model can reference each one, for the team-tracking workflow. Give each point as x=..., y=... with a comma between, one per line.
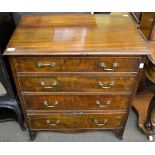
x=11, y=132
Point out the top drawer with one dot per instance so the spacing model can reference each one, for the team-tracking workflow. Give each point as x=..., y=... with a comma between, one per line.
x=77, y=64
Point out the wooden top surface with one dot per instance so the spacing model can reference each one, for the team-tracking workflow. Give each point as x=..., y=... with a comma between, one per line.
x=76, y=34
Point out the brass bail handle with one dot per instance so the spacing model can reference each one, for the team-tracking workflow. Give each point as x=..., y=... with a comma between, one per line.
x=50, y=106
x=103, y=104
x=104, y=66
x=54, y=83
x=102, y=85
x=100, y=123
x=52, y=123
x=41, y=65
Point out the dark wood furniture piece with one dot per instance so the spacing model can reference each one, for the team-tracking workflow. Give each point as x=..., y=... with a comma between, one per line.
x=150, y=72
x=146, y=110
x=147, y=25
x=9, y=106
x=76, y=72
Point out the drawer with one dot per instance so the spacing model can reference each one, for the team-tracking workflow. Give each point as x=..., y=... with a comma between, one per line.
x=76, y=83
x=77, y=121
x=77, y=64
x=79, y=102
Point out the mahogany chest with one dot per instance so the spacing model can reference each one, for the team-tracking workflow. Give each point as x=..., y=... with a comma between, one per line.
x=76, y=72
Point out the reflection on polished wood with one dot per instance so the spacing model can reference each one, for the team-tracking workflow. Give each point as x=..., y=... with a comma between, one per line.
x=69, y=34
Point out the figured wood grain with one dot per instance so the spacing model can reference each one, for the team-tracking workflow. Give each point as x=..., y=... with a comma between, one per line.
x=77, y=102
x=76, y=83
x=76, y=64
x=77, y=121
x=76, y=35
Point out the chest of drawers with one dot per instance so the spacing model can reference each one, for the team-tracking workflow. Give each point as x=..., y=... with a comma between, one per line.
x=76, y=72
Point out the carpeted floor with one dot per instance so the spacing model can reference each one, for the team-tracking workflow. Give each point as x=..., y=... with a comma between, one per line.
x=10, y=132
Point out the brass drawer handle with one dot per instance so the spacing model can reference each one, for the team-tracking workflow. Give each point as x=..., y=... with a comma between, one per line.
x=54, y=83
x=103, y=104
x=50, y=106
x=53, y=123
x=101, y=84
x=100, y=123
x=41, y=65
x=104, y=66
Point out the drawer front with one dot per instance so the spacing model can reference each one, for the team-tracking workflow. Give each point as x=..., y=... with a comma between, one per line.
x=74, y=64
x=77, y=121
x=80, y=102
x=76, y=83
